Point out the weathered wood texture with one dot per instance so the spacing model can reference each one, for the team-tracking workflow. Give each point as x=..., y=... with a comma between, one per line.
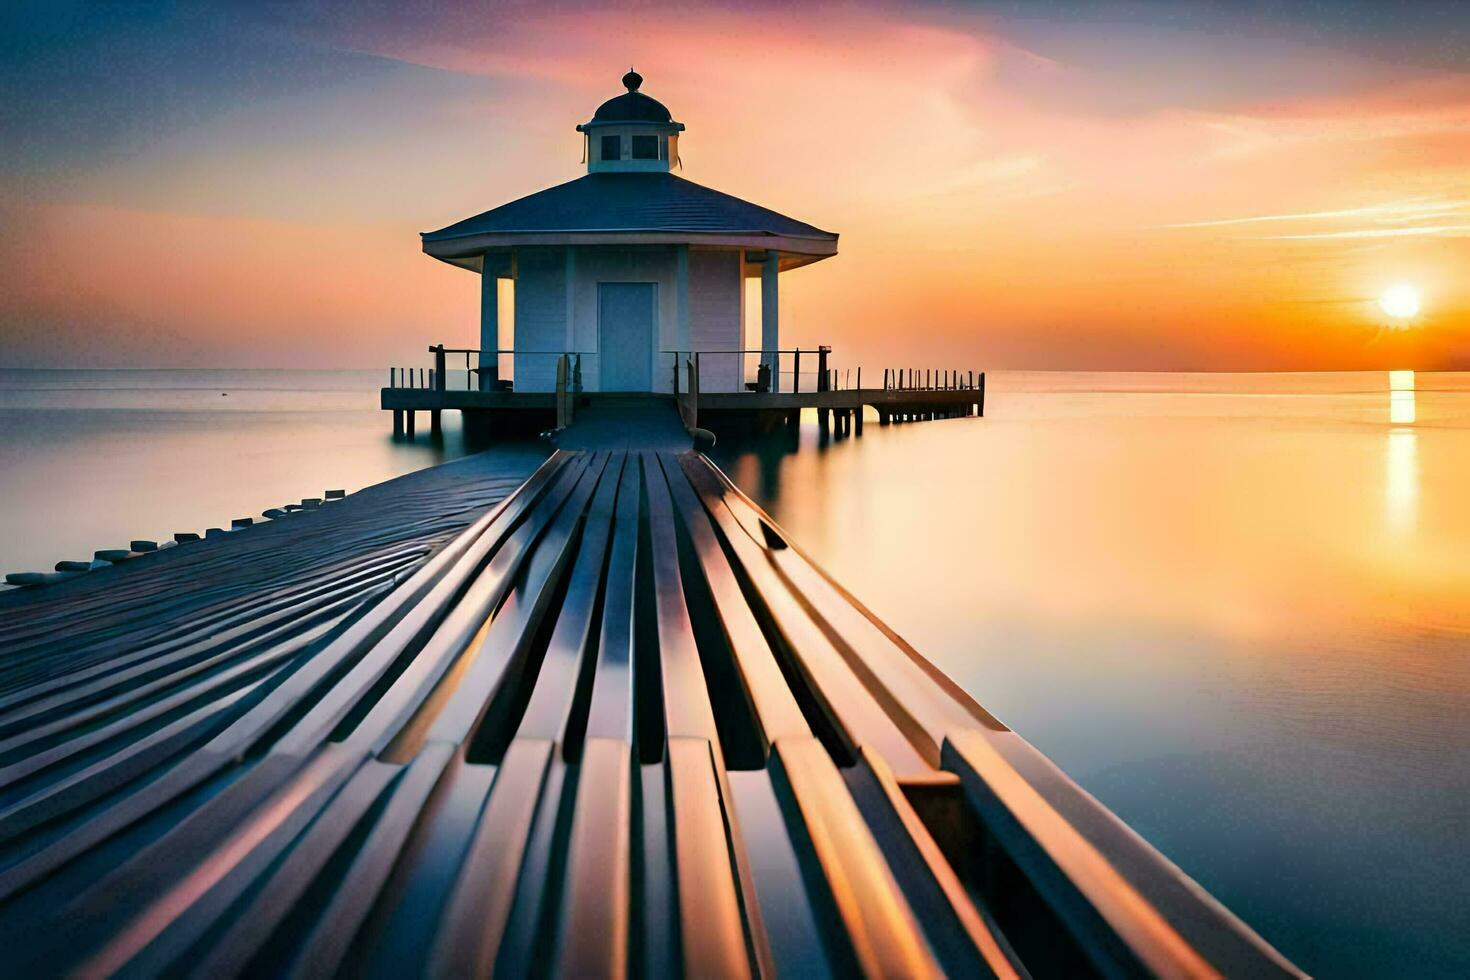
x=617, y=724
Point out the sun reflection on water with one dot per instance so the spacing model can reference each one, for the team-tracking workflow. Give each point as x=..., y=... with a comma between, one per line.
x=1401, y=488
x=1401, y=397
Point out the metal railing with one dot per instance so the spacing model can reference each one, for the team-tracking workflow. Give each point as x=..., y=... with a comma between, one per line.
x=795, y=370
x=792, y=370
x=932, y=379
x=500, y=374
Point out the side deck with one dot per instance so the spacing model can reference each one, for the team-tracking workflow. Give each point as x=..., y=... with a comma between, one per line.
x=614, y=722
x=843, y=409
x=775, y=396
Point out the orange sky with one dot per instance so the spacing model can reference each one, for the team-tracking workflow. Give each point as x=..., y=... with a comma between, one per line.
x=1009, y=193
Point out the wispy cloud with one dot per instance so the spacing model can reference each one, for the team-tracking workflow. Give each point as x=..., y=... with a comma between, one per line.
x=1402, y=211
x=1449, y=231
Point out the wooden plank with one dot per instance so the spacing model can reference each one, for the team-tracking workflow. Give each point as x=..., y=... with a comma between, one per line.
x=123, y=811
x=101, y=741
x=162, y=596
x=79, y=788
x=688, y=707
x=948, y=695
x=500, y=647
x=252, y=927
x=478, y=910
x=1116, y=928
x=85, y=703
x=415, y=608
x=788, y=916
x=829, y=680
x=243, y=861
x=610, y=711
x=713, y=941
x=559, y=680
x=877, y=925
x=408, y=911
x=765, y=688
x=653, y=878
x=325, y=947
x=947, y=691
x=901, y=689
x=161, y=662
x=526, y=942
x=687, y=710
x=593, y=921
x=193, y=872
x=963, y=939
x=1032, y=809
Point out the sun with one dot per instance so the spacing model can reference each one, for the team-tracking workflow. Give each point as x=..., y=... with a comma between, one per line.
x=1400, y=302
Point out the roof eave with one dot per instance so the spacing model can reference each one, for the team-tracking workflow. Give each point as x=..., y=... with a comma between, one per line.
x=668, y=127
x=470, y=247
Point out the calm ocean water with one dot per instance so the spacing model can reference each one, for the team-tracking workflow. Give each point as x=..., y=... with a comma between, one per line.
x=1234, y=607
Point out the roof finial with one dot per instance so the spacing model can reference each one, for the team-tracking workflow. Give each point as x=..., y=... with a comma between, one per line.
x=632, y=80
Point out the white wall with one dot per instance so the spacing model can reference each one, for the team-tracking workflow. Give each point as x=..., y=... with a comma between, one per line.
x=541, y=315
x=716, y=292
x=543, y=302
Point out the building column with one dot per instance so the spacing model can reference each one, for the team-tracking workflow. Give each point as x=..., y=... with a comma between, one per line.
x=681, y=306
x=489, y=325
x=771, y=316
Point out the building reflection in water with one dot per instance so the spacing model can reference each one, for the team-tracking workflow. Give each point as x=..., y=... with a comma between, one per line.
x=1402, y=478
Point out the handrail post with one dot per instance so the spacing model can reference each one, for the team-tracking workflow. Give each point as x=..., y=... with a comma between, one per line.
x=438, y=373
x=796, y=372
x=562, y=419
x=824, y=383
x=694, y=394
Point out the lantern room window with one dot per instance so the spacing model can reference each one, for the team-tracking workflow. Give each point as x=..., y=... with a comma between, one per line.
x=645, y=147
x=612, y=147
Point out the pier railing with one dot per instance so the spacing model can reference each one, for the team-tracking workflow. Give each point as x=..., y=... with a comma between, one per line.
x=799, y=370
x=786, y=371
x=466, y=369
x=932, y=379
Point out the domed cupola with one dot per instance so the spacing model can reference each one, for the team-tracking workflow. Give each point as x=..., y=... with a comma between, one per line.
x=631, y=133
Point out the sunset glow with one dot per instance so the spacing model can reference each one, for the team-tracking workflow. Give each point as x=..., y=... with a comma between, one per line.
x=1400, y=302
x=1012, y=188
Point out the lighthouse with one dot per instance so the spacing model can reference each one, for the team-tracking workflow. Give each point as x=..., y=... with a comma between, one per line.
x=630, y=266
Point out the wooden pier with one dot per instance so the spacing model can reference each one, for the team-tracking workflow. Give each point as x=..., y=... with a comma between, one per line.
x=609, y=720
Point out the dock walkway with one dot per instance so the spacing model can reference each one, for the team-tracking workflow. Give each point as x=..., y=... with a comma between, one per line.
x=611, y=720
